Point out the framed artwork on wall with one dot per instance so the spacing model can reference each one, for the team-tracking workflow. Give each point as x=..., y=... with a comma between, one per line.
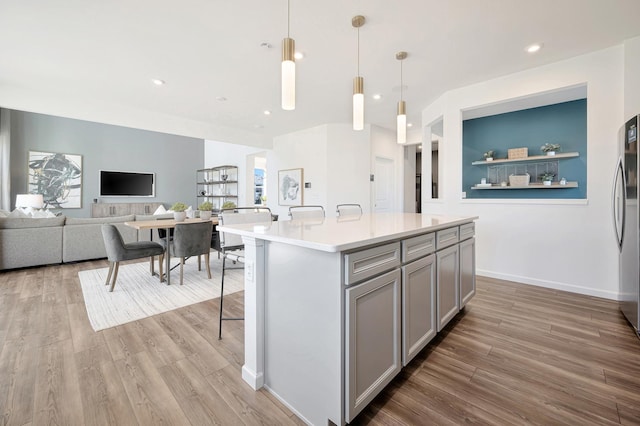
x=58, y=177
x=290, y=188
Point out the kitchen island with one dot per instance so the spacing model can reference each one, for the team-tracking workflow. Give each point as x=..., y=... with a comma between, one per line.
x=335, y=307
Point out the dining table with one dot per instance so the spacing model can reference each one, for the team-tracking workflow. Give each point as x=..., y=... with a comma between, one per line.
x=167, y=224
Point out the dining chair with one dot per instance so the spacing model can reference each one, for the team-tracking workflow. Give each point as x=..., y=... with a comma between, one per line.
x=192, y=239
x=348, y=209
x=231, y=245
x=306, y=212
x=118, y=250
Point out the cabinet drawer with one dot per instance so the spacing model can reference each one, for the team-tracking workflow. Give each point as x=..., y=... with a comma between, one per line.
x=446, y=237
x=467, y=231
x=417, y=247
x=364, y=264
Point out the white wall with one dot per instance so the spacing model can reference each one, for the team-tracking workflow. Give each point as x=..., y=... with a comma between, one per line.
x=562, y=244
x=631, y=77
x=383, y=144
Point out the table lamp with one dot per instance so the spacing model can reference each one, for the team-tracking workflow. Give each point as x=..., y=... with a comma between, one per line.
x=29, y=201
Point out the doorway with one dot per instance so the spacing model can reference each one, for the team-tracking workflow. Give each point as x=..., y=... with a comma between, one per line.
x=383, y=184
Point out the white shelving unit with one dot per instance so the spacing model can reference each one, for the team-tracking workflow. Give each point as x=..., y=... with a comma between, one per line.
x=217, y=185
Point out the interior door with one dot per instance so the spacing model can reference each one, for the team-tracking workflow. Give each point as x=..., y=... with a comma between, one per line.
x=384, y=182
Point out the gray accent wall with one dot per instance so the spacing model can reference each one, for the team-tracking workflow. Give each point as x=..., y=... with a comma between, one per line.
x=174, y=159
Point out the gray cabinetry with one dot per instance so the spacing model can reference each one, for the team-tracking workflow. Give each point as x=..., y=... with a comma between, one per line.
x=467, y=270
x=372, y=339
x=418, y=306
x=447, y=279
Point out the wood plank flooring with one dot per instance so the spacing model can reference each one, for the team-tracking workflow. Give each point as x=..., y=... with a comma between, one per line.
x=517, y=354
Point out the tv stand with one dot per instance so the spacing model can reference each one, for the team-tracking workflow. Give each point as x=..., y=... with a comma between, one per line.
x=122, y=209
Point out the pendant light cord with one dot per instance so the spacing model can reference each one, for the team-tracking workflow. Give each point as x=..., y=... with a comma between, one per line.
x=288, y=16
x=358, y=70
x=401, y=80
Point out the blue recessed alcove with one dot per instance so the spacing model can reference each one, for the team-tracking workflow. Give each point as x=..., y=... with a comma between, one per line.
x=564, y=123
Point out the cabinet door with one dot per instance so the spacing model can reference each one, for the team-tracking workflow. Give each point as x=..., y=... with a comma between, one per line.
x=467, y=271
x=448, y=287
x=372, y=339
x=418, y=306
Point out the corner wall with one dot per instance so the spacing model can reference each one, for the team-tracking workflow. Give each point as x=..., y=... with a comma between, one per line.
x=562, y=244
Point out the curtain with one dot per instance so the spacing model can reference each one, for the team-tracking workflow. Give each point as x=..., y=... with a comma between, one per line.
x=5, y=160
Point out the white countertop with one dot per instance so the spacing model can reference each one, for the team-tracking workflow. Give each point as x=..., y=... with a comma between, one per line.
x=335, y=234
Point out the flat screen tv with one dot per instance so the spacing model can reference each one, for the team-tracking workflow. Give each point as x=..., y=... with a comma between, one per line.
x=127, y=184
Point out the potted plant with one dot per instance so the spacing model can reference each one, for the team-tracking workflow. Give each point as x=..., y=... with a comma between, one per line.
x=205, y=210
x=179, y=213
x=550, y=148
x=229, y=205
x=488, y=156
x=546, y=178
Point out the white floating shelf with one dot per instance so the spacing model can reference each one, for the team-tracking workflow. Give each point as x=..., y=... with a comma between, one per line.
x=554, y=185
x=530, y=158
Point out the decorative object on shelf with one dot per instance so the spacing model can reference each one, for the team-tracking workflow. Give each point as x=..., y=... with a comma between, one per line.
x=519, y=180
x=228, y=205
x=205, y=210
x=290, y=191
x=224, y=177
x=503, y=183
x=517, y=153
x=546, y=178
x=179, y=213
x=563, y=181
x=488, y=156
x=550, y=148
x=58, y=177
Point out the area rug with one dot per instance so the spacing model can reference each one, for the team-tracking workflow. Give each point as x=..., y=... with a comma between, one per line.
x=138, y=295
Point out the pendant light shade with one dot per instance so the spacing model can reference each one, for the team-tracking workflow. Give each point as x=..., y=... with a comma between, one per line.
x=288, y=74
x=401, y=123
x=288, y=69
x=358, y=82
x=401, y=119
x=358, y=103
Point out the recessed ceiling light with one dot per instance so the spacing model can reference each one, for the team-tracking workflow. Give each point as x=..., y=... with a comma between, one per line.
x=534, y=48
x=298, y=55
x=158, y=82
x=377, y=96
x=221, y=98
x=409, y=124
x=267, y=112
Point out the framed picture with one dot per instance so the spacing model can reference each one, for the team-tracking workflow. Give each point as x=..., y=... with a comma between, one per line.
x=290, y=187
x=58, y=177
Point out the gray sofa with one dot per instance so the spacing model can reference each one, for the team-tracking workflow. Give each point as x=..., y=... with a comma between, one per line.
x=32, y=242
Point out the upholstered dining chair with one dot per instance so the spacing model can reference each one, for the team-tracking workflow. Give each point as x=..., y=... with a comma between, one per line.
x=192, y=239
x=348, y=209
x=118, y=250
x=231, y=244
x=306, y=212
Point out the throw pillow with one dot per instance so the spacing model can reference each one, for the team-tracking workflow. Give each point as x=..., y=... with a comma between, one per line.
x=160, y=210
x=18, y=213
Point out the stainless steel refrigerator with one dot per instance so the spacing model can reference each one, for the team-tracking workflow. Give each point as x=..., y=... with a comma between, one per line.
x=627, y=223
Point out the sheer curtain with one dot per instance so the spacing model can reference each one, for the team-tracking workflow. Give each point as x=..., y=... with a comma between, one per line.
x=5, y=160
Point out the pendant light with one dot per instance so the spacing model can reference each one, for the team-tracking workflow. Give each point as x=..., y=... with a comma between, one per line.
x=358, y=82
x=402, y=113
x=288, y=69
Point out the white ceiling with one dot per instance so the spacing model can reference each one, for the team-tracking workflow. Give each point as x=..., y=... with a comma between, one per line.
x=95, y=59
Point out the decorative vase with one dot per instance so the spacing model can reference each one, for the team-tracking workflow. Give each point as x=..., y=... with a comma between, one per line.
x=205, y=214
x=551, y=153
x=489, y=159
x=546, y=183
x=179, y=216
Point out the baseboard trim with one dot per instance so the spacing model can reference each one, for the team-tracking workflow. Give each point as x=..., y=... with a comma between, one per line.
x=551, y=284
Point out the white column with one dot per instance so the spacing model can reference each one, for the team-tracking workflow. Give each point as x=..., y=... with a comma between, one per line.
x=254, y=283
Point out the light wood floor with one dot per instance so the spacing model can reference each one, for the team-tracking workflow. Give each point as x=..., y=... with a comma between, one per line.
x=516, y=355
